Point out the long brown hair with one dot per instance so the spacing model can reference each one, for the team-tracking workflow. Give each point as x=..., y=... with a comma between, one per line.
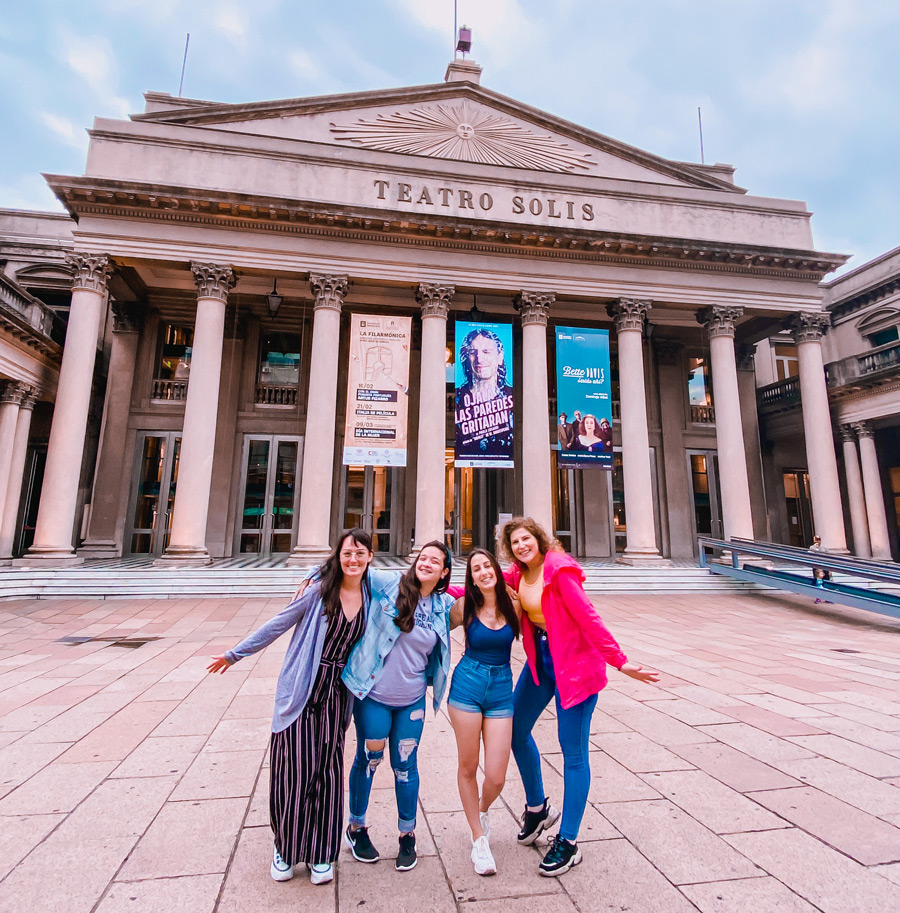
x=474, y=598
x=411, y=588
x=545, y=543
x=331, y=576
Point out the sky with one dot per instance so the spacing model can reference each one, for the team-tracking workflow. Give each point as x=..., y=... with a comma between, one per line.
x=801, y=96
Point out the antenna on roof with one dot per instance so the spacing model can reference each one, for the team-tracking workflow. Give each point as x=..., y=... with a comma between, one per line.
x=461, y=36
x=700, y=124
x=187, y=41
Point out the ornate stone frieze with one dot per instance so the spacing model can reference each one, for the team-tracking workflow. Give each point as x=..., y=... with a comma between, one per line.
x=629, y=313
x=127, y=317
x=745, y=356
x=213, y=281
x=863, y=429
x=463, y=132
x=329, y=291
x=808, y=327
x=534, y=307
x=19, y=393
x=89, y=271
x=667, y=351
x=719, y=320
x=435, y=299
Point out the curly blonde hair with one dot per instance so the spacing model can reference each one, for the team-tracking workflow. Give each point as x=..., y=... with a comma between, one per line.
x=545, y=542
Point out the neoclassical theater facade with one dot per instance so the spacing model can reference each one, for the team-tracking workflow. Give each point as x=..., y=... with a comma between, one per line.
x=214, y=254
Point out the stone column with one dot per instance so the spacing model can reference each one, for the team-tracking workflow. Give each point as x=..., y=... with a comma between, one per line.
x=859, y=522
x=737, y=517
x=879, y=537
x=629, y=315
x=825, y=489
x=104, y=528
x=187, y=542
x=432, y=430
x=745, y=356
x=11, y=492
x=11, y=394
x=59, y=494
x=316, y=482
x=537, y=492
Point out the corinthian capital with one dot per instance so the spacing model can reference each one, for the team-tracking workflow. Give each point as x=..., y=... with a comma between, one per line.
x=329, y=291
x=535, y=307
x=435, y=299
x=89, y=271
x=808, y=327
x=213, y=281
x=629, y=313
x=719, y=320
x=863, y=429
x=127, y=318
x=848, y=433
x=17, y=392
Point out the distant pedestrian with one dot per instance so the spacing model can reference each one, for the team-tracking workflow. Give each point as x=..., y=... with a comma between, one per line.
x=312, y=708
x=819, y=573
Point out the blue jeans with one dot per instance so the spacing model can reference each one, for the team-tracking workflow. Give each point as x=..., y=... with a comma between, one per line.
x=479, y=688
x=401, y=727
x=573, y=726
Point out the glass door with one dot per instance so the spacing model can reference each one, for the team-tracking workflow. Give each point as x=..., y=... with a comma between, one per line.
x=153, y=493
x=799, y=508
x=269, y=494
x=703, y=467
x=368, y=501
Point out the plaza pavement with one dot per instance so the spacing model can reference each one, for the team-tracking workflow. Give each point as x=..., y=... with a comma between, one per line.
x=762, y=773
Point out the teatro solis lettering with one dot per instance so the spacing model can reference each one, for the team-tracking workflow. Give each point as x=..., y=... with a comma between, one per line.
x=461, y=198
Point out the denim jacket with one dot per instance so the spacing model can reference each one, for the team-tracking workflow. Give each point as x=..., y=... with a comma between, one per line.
x=367, y=658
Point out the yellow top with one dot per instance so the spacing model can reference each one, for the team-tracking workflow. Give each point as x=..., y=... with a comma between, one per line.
x=530, y=597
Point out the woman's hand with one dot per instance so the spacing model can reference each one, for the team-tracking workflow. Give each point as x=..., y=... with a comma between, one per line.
x=218, y=664
x=637, y=671
x=514, y=597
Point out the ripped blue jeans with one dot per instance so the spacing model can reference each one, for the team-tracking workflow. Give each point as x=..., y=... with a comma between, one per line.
x=401, y=728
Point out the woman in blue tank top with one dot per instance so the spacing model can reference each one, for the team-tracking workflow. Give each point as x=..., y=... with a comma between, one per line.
x=480, y=698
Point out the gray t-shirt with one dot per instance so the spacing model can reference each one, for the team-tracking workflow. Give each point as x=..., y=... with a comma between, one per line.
x=402, y=678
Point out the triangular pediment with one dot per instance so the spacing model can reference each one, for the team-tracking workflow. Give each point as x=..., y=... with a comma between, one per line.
x=457, y=121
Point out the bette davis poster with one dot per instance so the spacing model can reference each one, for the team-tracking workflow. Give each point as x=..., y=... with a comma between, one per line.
x=484, y=394
x=377, y=391
x=584, y=398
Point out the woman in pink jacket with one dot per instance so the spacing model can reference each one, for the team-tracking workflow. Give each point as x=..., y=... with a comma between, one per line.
x=568, y=648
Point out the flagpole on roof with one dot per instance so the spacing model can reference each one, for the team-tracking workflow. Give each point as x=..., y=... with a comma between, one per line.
x=187, y=41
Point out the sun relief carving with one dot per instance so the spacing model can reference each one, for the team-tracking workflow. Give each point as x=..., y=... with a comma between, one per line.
x=464, y=133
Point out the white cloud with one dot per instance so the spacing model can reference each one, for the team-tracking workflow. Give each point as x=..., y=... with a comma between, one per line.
x=92, y=59
x=65, y=130
x=30, y=191
x=231, y=22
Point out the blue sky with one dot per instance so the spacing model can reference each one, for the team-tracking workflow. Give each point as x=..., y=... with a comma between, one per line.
x=802, y=96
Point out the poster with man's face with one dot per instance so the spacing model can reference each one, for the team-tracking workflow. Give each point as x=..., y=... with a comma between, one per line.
x=484, y=394
x=584, y=399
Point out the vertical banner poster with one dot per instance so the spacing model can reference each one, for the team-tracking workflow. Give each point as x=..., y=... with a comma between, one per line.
x=584, y=398
x=484, y=394
x=375, y=431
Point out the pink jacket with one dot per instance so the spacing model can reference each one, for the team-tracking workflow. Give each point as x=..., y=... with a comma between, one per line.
x=580, y=643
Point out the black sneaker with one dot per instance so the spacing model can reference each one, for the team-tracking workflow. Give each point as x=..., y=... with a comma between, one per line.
x=360, y=845
x=406, y=858
x=561, y=856
x=535, y=822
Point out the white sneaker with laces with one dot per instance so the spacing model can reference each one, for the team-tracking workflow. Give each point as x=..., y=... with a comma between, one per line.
x=321, y=873
x=485, y=823
x=482, y=857
x=280, y=870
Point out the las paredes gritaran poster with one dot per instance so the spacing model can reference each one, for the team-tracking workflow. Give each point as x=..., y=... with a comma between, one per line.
x=584, y=398
x=484, y=394
x=375, y=432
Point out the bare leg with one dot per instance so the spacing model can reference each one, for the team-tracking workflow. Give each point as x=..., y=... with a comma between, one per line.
x=497, y=734
x=467, y=727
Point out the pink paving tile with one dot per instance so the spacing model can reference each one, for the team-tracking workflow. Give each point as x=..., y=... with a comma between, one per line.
x=191, y=894
x=19, y=835
x=770, y=722
x=756, y=743
x=55, y=788
x=734, y=768
x=748, y=895
x=874, y=763
x=638, y=753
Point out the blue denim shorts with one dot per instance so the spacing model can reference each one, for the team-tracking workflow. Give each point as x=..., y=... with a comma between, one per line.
x=478, y=688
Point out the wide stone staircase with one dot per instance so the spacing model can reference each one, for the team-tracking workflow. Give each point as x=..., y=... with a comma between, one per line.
x=271, y=578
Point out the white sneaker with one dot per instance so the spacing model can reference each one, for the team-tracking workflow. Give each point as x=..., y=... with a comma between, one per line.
x=280, y=870
x=321, y=873
x=485, y=823
x=482, y=858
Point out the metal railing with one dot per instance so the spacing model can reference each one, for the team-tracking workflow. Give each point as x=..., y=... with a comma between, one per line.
x=169, y=390
x=796, y=579
x=276, y=394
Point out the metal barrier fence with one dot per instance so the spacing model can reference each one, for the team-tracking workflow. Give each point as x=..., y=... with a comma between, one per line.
x=740, y=552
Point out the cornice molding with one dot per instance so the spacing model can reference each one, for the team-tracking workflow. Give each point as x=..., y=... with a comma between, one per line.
x=248, y=213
